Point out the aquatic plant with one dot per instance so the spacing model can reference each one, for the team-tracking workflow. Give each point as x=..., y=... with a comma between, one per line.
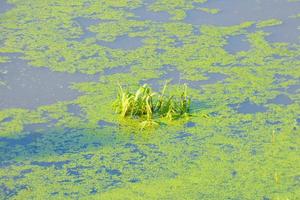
x=146, y=104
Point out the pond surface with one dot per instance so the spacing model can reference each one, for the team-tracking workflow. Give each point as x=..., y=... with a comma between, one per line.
x=60, y=66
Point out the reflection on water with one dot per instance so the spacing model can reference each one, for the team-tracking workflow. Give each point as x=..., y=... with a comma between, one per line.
x=30, y=87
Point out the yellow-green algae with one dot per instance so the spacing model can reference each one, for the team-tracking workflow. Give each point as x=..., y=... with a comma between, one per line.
x=225, y=155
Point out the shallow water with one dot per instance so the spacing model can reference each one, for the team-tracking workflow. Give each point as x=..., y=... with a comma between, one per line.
x=60, y=65
x=30, y=87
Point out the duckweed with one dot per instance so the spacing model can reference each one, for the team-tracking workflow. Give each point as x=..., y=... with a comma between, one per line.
x=228, y=155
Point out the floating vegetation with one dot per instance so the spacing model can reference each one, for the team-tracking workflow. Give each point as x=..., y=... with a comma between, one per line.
x=84, y=156
x=146, y=104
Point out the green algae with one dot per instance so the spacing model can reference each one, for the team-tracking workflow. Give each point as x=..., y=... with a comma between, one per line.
x=270, y=22
x=226, y=155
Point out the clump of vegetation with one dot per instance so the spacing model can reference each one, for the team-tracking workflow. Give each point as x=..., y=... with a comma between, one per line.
x=146, y=104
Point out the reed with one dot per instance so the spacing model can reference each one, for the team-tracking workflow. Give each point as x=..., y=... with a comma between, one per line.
x=146, y=104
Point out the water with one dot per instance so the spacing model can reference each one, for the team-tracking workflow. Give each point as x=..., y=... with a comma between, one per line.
x=173, y=76
x=30, y=87
x=234, y=12
x=237, y=43
x=281, y=99
x=143, y=13
x=248, y=107
x=85, y=23
x=4, y=6
x=242, y=115
x=123, y=42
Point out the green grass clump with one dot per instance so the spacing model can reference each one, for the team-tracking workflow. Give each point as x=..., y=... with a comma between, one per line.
x=146, y=104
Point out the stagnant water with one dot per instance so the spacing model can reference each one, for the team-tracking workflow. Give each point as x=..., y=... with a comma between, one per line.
x=60, y=66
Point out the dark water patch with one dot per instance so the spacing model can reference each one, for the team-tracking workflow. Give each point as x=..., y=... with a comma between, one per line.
x=30, y=87
x=54, y=193
x=4, y=6
x=57, y=165
x=234, y=173
x=11, y=148
x=93, y=191
x=190, y=124
x=8, y=193
x=177, y=43
x=236, y=12
x=22, y=174
x=36, y=127
x=282, y=77
x=293, y=89
x=152, y=146
x=85, y=23
x=183, y=135
x=160, y=51
x=273, y=122
x=196, y=30
x=103, y=124
x=170, y=74
x=281, y=99
x=237, y=133
x=5, y=163
x=214, y=114
x=288, y=31
x=212, y=79
x=117, y=70
x=123, y=42
x=72, y=172
x=75, y=109
x=142, y=13
x=227, y=148
x=12, y=56
x=7, y=119
x=113, y=172
x=237, y=43
x=113, y=184
x=53, y=142
x=134, y=180
x=21, y=140
x=135, y=149
x=173, y=76
x=248, y=107
x=88, y=156
x=25, y=171
x=197, y=105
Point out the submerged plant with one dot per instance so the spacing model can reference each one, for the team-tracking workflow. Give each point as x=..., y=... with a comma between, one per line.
x=146, y=104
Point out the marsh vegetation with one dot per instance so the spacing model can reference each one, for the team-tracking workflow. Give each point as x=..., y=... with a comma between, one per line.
x=147, y=105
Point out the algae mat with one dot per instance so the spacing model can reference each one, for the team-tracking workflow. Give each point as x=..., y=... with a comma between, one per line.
x=60, y=64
